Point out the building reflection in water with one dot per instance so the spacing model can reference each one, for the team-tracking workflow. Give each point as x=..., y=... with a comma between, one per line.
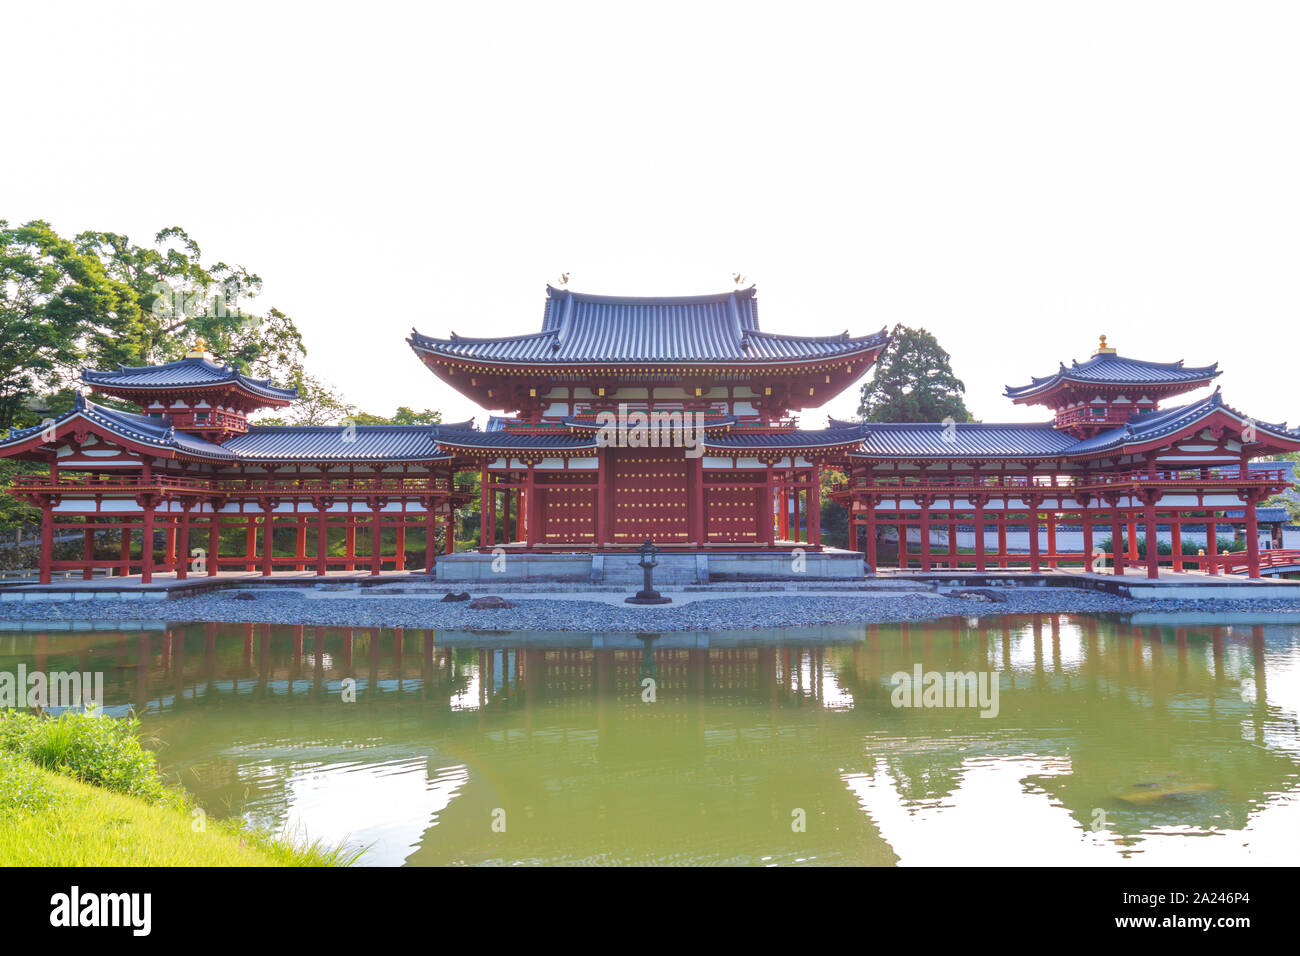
x=1111, y=738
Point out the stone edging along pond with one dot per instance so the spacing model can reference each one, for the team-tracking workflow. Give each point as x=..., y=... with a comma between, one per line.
x=591, y=612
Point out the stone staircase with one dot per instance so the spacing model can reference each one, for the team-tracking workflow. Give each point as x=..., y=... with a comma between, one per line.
x=622, y=570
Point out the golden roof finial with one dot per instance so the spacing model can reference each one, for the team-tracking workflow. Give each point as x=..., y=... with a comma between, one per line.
x=199, y=349
x=1102, y=348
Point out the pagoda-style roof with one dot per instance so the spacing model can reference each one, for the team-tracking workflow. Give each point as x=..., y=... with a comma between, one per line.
x=262, y=443
x=582, y=329
x=191, y=372
x=1151, y=426
x=145, y=430
x=1110, y=369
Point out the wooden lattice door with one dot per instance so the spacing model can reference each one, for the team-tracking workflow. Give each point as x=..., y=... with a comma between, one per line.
x=649, y=495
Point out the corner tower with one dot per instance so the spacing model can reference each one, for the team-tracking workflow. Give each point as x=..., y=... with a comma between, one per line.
x=195, y=393
x=1107, y=389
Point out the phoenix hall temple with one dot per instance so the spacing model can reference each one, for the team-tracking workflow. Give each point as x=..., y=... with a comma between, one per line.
x=187, y=485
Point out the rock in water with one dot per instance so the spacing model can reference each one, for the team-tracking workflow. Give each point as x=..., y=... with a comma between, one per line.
x=1144, y=793
x=489, y=602
x=451, y=596
x=979, y=594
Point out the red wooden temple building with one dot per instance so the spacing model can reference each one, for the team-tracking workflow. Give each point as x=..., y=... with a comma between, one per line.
x=1111, y=459
x=623, y=419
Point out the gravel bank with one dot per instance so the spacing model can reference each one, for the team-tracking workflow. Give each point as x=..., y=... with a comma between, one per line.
x=789, y=609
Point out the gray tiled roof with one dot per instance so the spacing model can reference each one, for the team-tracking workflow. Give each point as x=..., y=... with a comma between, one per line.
x=510, y=441
x=799, y=438
x=597, y=329
x=1262, y=515
x=1109, y=368
x=983, y=440
x=337, y=443
x=187, y=372
x=964, y=440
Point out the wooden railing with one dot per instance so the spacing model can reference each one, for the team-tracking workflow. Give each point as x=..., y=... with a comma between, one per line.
x=241, y=487
x=1227, y=477
x=1225, y=562
x=1238, y=562
x=1114, y=415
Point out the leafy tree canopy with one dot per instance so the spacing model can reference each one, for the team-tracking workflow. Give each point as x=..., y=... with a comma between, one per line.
x=913, y=381
x=55, y=303
x=99, y=300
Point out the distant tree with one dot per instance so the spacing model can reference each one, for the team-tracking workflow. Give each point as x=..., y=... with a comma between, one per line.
x=321, y=404
x=834, y=516
x=318, y=403
x=403, y=416
x=913, y=381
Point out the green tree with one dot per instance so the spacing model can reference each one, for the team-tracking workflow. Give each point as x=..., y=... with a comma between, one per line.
x=319, y=403
x=99, y=300
x=913, y=381
x=181, y=299
x=56, y=304
x=1289, y=499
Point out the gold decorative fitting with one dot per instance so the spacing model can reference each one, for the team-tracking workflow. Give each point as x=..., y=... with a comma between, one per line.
x=1102, y=348
x=200, y=349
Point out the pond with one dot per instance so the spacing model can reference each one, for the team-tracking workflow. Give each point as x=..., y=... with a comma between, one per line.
x=1156, y=740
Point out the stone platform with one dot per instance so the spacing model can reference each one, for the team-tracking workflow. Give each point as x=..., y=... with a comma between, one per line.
x=675, y=567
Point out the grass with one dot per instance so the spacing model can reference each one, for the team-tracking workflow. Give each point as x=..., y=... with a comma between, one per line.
x=80, y=790
x=92, y=749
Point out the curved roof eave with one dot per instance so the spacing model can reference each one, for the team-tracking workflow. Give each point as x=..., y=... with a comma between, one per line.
x=137, y=430
x=856, y=347
x=138, y=378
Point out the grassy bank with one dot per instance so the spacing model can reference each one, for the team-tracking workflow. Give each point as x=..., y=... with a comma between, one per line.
x=82, y=791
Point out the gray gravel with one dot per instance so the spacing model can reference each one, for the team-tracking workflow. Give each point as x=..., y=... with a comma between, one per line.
x=771, y=610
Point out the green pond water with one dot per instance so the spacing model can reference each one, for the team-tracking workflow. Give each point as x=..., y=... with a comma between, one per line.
x=1169, y=741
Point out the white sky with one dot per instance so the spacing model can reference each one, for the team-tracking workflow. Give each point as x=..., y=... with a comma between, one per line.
x=1015, y=177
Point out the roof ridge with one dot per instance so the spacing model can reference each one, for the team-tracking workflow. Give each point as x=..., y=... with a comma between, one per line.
x=1181, y=363
x=749, y=291
x=1051, y=425
x=372, y=426
x=157, y=365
